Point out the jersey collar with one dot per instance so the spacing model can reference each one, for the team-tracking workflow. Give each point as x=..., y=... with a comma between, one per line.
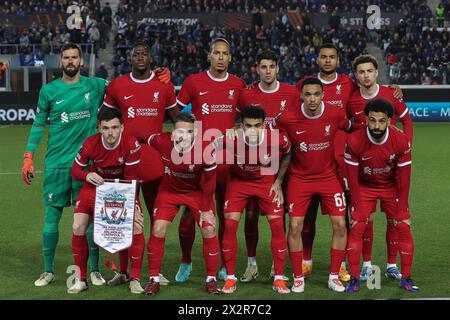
x=270, y=91
x=217, y=79
x=326, y=81
x=322, y=106
x=386, y=136
x=152, y=74
x=372, y=96
x=105, y=145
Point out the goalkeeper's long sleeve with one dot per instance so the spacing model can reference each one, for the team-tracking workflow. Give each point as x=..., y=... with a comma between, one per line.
x=38, y=128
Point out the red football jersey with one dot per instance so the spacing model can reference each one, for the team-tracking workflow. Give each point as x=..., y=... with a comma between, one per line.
x=258, y=162
x=117, y=162
x=312, y=139
x=355, y=107
x=182, y=172
x=378, y=162
x=274, y=102
x=143, y=103
x=337, y=92
x=213, y=100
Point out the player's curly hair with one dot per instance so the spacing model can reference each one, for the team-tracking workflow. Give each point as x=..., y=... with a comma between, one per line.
x=254, y=111
x=379, y=105
x=364, y=58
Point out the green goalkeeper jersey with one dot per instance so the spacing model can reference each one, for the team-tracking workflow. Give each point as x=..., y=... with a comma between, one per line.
x=72, y=111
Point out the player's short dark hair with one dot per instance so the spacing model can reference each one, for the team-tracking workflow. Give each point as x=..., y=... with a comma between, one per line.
x=185, y=117
x=365, y=58
x=107, y=114
x=216, y=40
x=71, y=45
x=267, y=55
x=253, y=112
x=379, y=105
x=140, y=44
x=329, y=45
x=312, y=81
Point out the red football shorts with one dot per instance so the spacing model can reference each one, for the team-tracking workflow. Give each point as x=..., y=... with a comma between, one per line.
x=240, y=191
x=388, y=199
x=300, y=192
x=168, y=203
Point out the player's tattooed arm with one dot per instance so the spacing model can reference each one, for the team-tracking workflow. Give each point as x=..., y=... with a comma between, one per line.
x=172, y=113
x=277, y=185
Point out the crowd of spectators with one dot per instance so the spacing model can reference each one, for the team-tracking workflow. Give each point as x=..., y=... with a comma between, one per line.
x=184, y=49
x=416, y=51
x=93, y=27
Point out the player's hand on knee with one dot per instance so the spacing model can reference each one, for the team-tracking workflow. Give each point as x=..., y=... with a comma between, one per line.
x=163, y=74
x=278, y=193
x=94, y=179
x=28, y=167
x=207, y=218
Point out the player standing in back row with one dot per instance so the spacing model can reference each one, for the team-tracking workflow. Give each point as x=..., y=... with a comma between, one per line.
x=71, y=103
x=214, y=95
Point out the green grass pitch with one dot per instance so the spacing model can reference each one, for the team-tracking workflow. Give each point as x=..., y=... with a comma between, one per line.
x=22, y=219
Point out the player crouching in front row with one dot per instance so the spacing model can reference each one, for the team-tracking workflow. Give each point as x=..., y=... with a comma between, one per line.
x=114, y=157
x=256, y=173
x=189, y=179
x=378, y=158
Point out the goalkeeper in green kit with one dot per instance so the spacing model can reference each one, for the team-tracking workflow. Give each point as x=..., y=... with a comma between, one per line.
x=71, y=103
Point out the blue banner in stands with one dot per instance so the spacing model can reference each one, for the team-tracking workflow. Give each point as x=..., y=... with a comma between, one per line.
x=429, y=111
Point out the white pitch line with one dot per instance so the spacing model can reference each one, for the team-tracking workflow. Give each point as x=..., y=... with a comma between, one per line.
x=3, y=127
x=14, y=173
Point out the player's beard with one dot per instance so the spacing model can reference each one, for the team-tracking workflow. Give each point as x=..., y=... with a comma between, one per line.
x=327, y=72
x=71, y=72
x=377, y=133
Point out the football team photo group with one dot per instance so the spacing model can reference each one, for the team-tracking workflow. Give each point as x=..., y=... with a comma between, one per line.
x=186, y=183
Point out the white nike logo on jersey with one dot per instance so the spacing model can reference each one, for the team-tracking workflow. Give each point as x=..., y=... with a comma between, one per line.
x=277, y=210
x=58, y=102
x=213, y=254
x=226, y=250
x=366, y=158
x=359, y=112
x=281, y=250
x=300, y=132
x=203, y=93
x=128, y=97
x=341, y=209
x=97, y=161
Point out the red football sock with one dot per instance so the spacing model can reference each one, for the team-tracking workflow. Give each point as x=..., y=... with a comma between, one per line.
x=405, y=247
x=368, y=242
x=354, y=248
x=391, y=243
x=123, y=261
x=337, y=256
x=278, y=245
x=155, y=252
x=186, y=234
x=309, y=228
x=229, y=245
x=296, y=261
x=211, y=253
x=136, y=253
x=251, y=236
x=80, y=252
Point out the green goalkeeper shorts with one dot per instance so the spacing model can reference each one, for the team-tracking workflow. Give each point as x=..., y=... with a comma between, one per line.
x=60, y=189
